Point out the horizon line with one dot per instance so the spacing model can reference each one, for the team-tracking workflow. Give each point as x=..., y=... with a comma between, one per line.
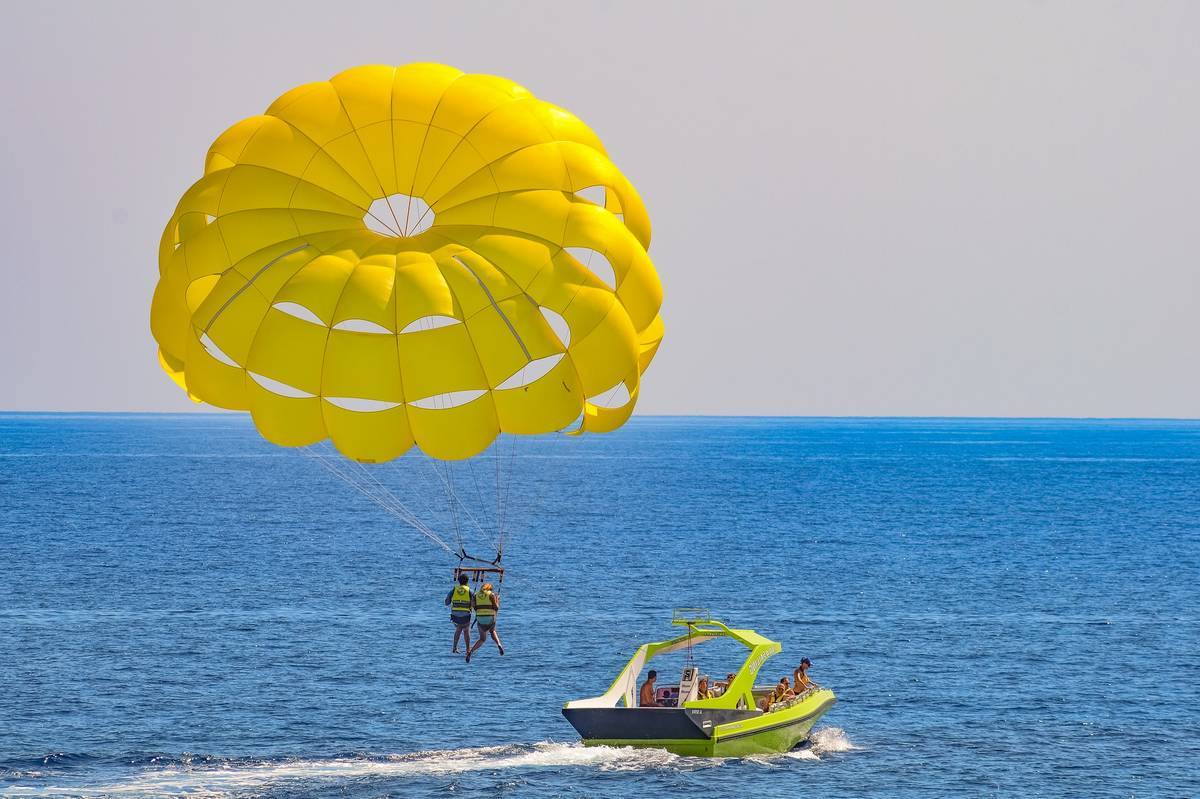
x=650, y=416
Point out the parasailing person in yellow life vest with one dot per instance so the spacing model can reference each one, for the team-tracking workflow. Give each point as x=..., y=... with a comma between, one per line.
x=460, y=599
x=487, y=605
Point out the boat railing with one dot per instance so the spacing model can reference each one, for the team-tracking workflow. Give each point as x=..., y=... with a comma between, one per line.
x=800, y=697
x=690, y=615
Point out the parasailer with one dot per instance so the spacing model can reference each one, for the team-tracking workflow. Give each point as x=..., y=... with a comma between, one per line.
x=461, y=600
x=487, y=608
x=411, y=257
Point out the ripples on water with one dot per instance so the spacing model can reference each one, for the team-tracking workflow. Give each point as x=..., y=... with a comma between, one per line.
x=1005, y=608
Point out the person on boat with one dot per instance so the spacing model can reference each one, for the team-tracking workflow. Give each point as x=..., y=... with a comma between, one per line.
x=487, y=605
x=646, y=695
x=702, y=689
x=800, y=676
x=460, y=600
x=765, y=703
x=724, y=686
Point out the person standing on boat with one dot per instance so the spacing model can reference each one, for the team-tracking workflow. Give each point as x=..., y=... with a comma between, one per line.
x=487, y=605
x=646, y=695
x=460, y=599
x=800, y=676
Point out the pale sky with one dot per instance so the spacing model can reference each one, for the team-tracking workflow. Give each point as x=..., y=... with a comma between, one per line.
x=957, y=208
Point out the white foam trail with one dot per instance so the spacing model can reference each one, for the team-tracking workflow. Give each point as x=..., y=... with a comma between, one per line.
x=222, y=781
x=823, y=741
x=831, y=739
x=826, y=740
x=231, y=779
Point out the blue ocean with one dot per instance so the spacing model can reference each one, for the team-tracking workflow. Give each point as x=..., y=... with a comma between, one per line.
x=1003, y=607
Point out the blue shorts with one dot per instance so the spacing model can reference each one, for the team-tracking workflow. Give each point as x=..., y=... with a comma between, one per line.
x=484, y=626
x=460, y=619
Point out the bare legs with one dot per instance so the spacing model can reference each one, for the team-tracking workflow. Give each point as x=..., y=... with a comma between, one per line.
x=484, y=634
x=462, y=631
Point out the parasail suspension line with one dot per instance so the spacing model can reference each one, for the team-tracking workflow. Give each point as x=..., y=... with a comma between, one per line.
x=382, y=497
x=372, y=489
x=456, y=504
x=452, y=500
x=479, y=497
x=507, y=487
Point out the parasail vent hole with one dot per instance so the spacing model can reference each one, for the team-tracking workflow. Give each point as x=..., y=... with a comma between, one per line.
x=448, y=400
x=558, y=324
x=399, y=216
x=615, y=397
x=593, y=194
x=595, y=263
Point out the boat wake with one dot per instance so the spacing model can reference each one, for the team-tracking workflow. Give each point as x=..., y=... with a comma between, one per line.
x=824, y=741
x=215, y=777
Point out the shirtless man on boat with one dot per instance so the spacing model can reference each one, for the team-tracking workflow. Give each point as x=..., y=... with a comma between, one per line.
x=646, y=695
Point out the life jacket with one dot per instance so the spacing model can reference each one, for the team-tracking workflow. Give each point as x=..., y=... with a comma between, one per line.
x=460, y=600
x=485, y=607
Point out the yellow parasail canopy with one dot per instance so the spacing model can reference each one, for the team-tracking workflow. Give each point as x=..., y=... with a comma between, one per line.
x=405, y=255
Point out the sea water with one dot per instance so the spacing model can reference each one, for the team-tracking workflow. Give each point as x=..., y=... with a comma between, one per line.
x=1003, y=607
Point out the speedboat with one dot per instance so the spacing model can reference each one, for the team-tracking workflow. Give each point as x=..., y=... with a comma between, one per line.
x=730, y=724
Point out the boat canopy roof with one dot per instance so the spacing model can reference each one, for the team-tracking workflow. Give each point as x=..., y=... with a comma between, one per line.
x=701, y=628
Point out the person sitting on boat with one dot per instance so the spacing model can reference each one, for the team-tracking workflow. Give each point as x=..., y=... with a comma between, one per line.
x=765, y=703
x=487, y=605
x=646, y=695
x=702, y=691
x=800, y=676
x=460, y=600
x=722, y=687
x=784, y=691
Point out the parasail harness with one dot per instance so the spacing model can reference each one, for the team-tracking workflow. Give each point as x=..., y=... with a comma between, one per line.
x=477, y=574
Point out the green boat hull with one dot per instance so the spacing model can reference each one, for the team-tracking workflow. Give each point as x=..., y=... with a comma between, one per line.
x=761, y=734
